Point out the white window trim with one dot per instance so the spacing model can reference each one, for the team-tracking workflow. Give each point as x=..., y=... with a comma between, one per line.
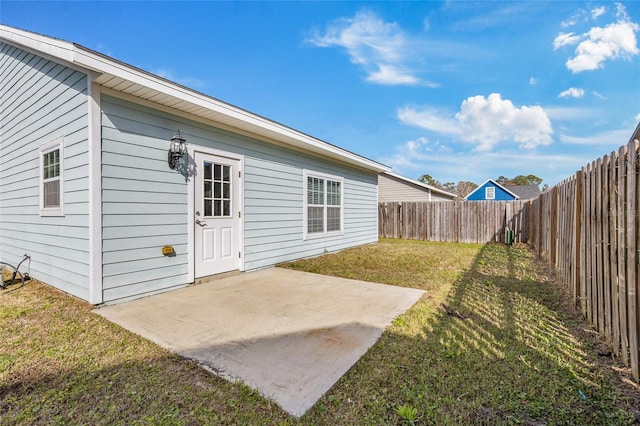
x=487, y=191
x=46, y=148
x=307, y=235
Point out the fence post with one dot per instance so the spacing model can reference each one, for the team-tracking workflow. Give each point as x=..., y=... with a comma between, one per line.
x=553, y=228
x=632, y=255
x=577, y=245
x=622, y=283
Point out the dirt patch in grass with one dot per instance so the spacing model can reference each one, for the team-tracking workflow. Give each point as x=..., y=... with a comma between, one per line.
x=496, y=340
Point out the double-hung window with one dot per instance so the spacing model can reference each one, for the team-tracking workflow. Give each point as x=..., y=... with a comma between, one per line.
x=322, y=204
x=490, y=193
x=51, y=178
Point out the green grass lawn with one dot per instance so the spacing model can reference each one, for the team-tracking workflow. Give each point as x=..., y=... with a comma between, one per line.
x=495, y=340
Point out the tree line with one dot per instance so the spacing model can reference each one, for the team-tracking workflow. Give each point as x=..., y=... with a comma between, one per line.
x=464, y=187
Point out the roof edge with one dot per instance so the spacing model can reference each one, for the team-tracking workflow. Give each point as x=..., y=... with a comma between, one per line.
x=495, y=183
x=424, y=185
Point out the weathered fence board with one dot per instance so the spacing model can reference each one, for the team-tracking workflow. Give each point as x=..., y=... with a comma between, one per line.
x=453, y=221
x=632, y=250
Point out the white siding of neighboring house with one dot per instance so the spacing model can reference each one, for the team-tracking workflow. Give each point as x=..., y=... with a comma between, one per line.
x=40, y=101
x=145, y=203
x=391, y=189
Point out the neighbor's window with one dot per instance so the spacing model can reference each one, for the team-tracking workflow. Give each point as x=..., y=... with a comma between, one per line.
x=323, y=204
x=490, y=193
x=51, y=190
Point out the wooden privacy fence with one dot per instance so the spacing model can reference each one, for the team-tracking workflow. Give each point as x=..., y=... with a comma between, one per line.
x=453, y=221
x=587, y=227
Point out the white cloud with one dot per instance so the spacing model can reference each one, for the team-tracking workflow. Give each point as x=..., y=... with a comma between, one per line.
x=486, y=122
x=392, y=75
x=638, y=118
x=191, y=82
x=597, y=12
x=621, y=12
x=533, y=81
x=572, y=92
x=417, y=157
x=564, y=39
x=600, y=44
x=430, y=119
x=598, y=95
x=103, y=48
x=612, y=138
x=491, y=120
x=571, y=113
x=379, y=47
x=573, y=20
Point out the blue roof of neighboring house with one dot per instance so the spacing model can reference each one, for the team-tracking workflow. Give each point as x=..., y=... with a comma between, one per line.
x=500, y=193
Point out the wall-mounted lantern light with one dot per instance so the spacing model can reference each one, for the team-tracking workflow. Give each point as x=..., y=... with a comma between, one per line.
x=177, y=149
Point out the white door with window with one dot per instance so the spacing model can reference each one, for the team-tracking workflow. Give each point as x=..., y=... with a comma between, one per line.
x=217, y=214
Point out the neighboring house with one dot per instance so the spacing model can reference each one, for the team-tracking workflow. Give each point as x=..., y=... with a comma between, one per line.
x=87, y=191
x=392, y=187
x=524, y=192
x=491, y=190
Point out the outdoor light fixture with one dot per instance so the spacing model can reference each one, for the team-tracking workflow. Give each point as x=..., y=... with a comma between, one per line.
x=177, y=149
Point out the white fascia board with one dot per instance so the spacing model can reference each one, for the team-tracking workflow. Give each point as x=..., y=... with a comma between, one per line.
x=478, y=188
x=47, y=45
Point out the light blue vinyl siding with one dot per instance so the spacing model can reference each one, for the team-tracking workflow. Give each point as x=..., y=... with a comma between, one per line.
x=143, y=208
x=40, y=101
x=145, y=203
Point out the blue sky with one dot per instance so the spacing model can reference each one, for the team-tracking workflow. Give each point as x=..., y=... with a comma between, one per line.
x=459, y=90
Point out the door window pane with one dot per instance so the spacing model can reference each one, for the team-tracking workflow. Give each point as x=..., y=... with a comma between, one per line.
x=217, y=190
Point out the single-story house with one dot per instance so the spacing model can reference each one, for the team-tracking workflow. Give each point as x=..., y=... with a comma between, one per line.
x=524, y=192
x=491, y=190
x=119, y=183
x=393, y=187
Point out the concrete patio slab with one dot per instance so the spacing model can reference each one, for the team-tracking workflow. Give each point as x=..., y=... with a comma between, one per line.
x=291, y=335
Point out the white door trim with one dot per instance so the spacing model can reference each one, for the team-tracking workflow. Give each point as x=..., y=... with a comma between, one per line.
x=191, y=221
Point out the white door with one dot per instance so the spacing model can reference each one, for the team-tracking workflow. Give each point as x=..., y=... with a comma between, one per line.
x=217, y=214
